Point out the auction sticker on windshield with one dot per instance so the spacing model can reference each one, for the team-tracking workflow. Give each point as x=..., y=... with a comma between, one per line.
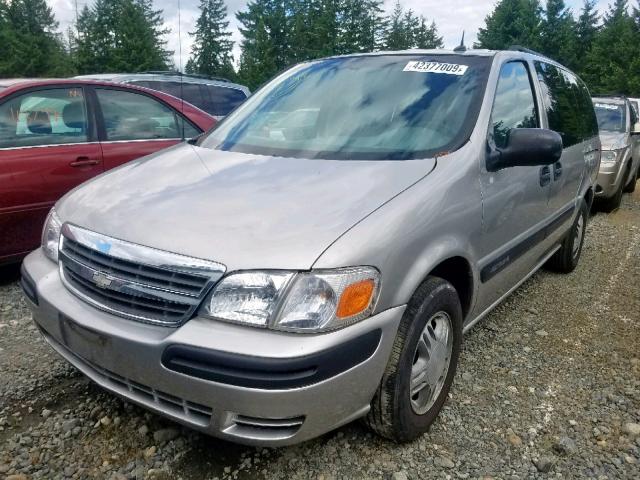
x=607, y=106
x=435, y=67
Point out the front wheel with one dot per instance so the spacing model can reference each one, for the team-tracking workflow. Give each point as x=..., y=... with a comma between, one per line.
x=631, y=186
x=611, y=204
x=566, y=259
x=422, y=365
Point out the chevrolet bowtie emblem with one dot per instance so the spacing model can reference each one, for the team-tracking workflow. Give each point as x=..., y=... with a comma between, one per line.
x=102, y=280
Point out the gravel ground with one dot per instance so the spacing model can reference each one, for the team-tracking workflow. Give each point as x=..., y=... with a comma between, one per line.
x=548, y=386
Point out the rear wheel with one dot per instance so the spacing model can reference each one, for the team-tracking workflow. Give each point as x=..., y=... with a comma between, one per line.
x=566, y=259
x=422, y=365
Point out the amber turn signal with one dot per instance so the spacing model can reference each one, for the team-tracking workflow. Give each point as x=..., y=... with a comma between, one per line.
x=355, y=298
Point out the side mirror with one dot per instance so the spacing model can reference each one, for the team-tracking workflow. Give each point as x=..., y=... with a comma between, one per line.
x=635, y=130
x=527, y=147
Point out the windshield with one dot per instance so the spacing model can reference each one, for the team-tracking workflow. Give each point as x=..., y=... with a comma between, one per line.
x=364, y=107
x=611, y=116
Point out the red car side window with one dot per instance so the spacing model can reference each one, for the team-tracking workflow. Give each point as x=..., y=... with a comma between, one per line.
x=44, y=117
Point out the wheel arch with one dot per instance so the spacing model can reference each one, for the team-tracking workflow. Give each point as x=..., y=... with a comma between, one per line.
x=456, y=270
x=589, y=196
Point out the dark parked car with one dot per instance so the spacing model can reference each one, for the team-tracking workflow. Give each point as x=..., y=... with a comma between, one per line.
x=216, y=96
x=55, y=134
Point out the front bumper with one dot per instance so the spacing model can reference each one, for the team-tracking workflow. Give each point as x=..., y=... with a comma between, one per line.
x=126, y=357
x=609, y=180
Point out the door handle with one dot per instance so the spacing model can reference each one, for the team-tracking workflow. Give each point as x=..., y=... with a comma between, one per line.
x=84, y=162
x=557, y=170
x=545, y=176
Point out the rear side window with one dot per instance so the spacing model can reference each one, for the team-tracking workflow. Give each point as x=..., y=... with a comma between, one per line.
x=567, y=103
x=44, y=117
x=223, y=100
x=514, y=105
x=213, y=99
x=132, y=116
x=172, y=88
x=587, y=113
x=194, y=94
x=141, y=83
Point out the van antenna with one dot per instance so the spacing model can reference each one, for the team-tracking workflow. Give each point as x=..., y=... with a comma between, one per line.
x=181, y=72
x=461, y=47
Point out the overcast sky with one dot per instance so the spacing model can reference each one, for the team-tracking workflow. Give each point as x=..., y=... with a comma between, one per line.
x=452, y=17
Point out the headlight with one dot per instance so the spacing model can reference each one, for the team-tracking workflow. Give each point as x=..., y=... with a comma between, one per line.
x=51, y=235
x=314, y=301
x=609, y=156
x=249, y=297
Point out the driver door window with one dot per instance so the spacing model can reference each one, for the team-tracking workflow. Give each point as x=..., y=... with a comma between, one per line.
x=514, y=105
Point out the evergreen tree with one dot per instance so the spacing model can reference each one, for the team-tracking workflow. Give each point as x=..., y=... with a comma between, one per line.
x=512, y=22
x=406, y=30
x=397, y=35
x=120, y=36
x=559, y=34
x=155, y=20
x=361, y=26
x=611, y=63
x=302, y=38
x=258, y=59
x=426, y=36
x=7, y=39
x=211, y=51
x=634, y=67
x=279, y=33
x=587, y=29
x=31, y=45
x=323, y=35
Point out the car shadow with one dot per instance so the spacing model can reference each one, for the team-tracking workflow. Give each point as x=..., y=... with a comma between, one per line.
x=9, y=273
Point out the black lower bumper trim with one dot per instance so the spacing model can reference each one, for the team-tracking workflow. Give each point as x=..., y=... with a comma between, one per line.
x=28, y=285
x=270, y=373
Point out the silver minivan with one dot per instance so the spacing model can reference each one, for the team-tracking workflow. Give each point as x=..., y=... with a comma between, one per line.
x=617, y=121
x=277, y=278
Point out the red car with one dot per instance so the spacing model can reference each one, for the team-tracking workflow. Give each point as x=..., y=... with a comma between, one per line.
x=55, y=134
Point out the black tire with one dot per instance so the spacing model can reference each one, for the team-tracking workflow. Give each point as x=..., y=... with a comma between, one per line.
x=392, y=415
x=631, y=186
x=566, y=259
x=610, y=204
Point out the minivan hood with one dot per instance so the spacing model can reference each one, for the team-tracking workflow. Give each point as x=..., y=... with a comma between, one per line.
x=613, y=140
x=245, y=211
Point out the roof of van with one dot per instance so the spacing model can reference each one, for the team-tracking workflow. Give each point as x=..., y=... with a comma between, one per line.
x=471, y=52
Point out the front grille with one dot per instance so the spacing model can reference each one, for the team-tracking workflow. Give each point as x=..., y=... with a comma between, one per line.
x=134, y=281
